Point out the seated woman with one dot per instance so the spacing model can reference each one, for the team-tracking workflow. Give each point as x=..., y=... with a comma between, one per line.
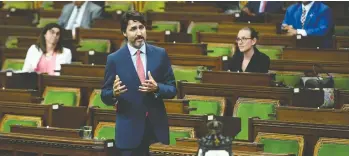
x=248, y=58
x=47, y=54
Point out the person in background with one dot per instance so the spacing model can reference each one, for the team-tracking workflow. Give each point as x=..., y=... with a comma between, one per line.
x=47, y=54
x=137, y=78
x=309, y=18
x=254, y=8
x=79, y=14
x=248, y=58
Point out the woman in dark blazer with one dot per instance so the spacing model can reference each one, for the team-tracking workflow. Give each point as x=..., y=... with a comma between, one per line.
x=248, y=58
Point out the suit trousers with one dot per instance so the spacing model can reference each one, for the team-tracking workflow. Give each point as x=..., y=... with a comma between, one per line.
x=143, y=149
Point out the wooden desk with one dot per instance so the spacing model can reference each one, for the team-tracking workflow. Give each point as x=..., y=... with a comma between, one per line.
x=315, y=54
x=46, y=131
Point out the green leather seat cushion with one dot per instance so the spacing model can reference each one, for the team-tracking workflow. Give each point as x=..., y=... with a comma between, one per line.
x=8, y=123
x=106, y=132
x=247, y=110
x=341, y=82
x=185, y=74
x=15, y=65
x=164, y=27
x=278, y=146
x=204, y=107
x=94, y=44
x=219, y=51
x=64, y=97
x=97, y=101
x=333, y=149
x=177, y=134
x=202, y=27
x=289, y=79
x=19, y=5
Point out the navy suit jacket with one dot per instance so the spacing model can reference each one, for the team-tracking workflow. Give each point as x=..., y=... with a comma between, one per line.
x=319, y=20
x=133, y=104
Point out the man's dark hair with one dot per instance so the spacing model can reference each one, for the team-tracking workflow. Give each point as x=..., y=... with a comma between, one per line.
x=41, y=43
x=254, y=33
x=131, y=15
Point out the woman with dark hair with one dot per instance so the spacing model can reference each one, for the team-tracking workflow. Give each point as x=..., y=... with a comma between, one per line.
x=248, y=58
x=47, y=54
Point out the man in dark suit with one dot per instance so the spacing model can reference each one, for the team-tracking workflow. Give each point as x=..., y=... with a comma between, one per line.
x=254, y=8
x=79, y=14
x=141, y=117
x=309, y=19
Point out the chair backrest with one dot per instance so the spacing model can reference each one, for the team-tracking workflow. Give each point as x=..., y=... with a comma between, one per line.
x=173, y=26
x=201, y=27
x=219, y=49
x=155, y=6
x=11, y=42
x=205, y=105
x=62, y=95
x=112, y=6
x=97, y=45
x=289, y=78
x=331, y=146
x=274, y=52
x=187, y=73
x=26, y=5
x=181, y=132
x=251, y=107
x=9, y=119
x=44, y=21
x=96, y=101
x=281, y=143
x=13, y=64
x=105, y=130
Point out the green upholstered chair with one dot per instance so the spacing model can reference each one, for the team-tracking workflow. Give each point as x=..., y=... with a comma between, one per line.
x=331, y=146
x=155, y=6
x=61, y=95
x=47, y=5
x=341, y=30
x=172, y=26
x=201, y=27
x=341, y=81
x=105, y=130
x=96, y=101
x=98, y=45
x=219, y=49
x=112, y=6
x=291, y=79
x=185, y=73
x=11, y=42
x=25, y=5
x=9, y=119
x=281, y=143
x=13, y=64
x=274, y=52
x=206, y=105
x=180, y=132
x=250, y=107
x=44, y=21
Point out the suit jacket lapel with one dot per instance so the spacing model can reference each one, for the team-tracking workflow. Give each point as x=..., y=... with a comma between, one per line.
x=310, y=13
x=128, y=63
x=150, y=66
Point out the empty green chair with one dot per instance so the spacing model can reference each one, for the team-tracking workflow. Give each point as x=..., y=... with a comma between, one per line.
x=61, y=95
x=219, y=49
x=274, y=52
x=155, y=6
x=96, y=101
x=112, y=6
x=205, y=105
x=172, y=26
x=47, y=5
x=180, y=132
x=331, y=146
x=44, y=21
x=201, y=27
x=9, y=119
x=291, y=79
x=341, y=81
x=105, y=130
x=13, y=64
x=185, y=73
x=25, y=5
x=250, y=107
x=97, y=45
x=281, y=143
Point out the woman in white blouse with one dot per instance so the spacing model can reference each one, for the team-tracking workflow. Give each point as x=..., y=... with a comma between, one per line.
x=47, y=54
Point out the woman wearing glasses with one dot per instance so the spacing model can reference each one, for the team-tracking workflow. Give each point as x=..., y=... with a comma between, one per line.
x=248, y=58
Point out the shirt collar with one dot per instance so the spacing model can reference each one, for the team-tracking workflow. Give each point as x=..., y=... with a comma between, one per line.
x=83, y=6
x=134, y=50
x=308, y=6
